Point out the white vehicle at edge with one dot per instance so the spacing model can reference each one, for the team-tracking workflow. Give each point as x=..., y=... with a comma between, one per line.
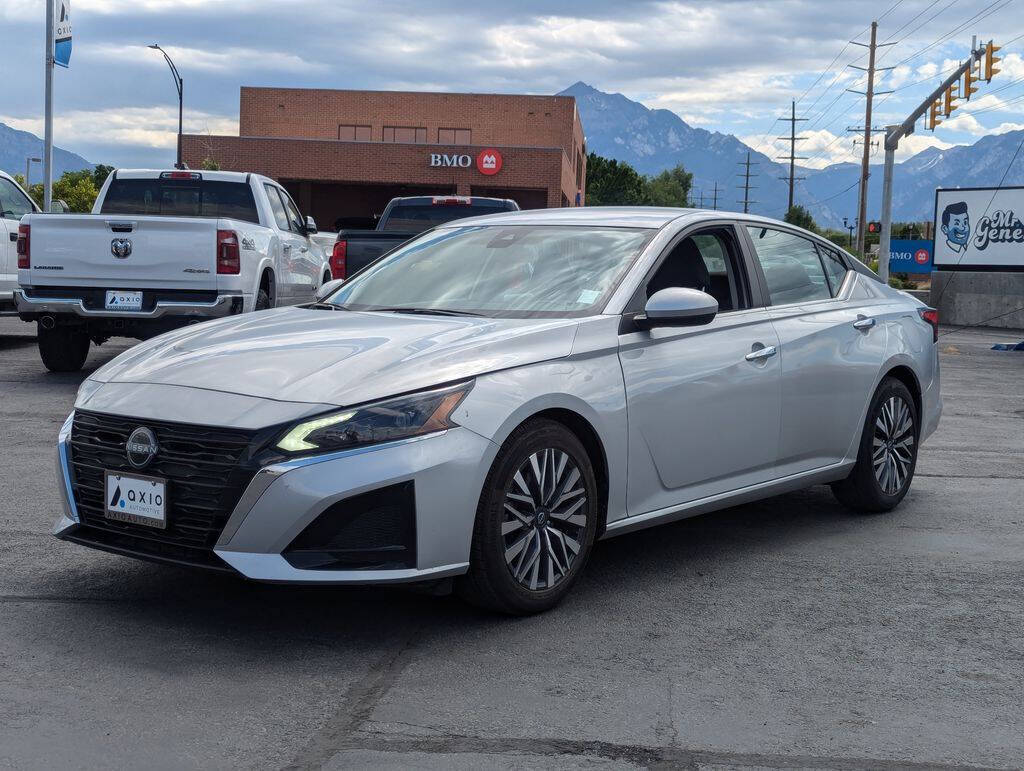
x=160, y=250
x=14, y=204
x=472, y=405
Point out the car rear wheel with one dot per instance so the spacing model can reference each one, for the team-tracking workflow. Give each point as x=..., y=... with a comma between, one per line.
x=888, y=452
x=63, y=348
x=535, y=524
x=262, y=300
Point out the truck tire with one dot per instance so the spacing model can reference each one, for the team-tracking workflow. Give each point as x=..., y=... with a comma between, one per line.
x=262, y=300
x=63, y=348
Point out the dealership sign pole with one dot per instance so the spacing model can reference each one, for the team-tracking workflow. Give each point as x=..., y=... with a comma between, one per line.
x=58, y=51
x=941, y=100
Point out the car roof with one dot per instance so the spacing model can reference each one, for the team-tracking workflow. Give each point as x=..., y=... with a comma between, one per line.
x=618, y=216
x=214, y=176
x=473, y=200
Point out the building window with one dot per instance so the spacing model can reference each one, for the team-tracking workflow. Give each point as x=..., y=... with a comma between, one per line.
x=354, y=133
x=454, y=136
x=404, y=134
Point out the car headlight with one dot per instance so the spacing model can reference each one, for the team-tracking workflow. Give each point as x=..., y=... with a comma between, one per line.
x=86, y=390
x=399, y=418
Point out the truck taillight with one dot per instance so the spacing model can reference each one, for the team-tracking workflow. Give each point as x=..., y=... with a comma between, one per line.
x=338, y=259
x=24, y=246
x=228, y=260
x=931, y=316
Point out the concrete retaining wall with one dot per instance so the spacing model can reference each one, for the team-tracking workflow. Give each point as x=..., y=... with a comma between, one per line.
x=968, y=297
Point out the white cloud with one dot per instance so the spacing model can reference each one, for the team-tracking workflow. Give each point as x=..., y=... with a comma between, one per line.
x=229, y=59
x=152, y=127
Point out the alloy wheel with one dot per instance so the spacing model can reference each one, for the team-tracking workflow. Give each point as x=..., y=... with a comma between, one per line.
x=544, y=519
x=892, y=449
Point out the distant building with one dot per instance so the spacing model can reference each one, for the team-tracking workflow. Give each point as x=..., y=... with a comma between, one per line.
x=345, y=154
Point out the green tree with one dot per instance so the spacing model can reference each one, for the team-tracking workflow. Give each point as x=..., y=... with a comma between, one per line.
x=611, y=183
x=799, y=216
x=209, y=164
x=100, y=174
x=76, y=188
x=670, y=188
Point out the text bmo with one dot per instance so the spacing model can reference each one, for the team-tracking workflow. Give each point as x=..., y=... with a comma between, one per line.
x=440, y=159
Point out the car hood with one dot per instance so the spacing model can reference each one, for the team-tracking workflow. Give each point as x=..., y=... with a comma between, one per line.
x=337, y=357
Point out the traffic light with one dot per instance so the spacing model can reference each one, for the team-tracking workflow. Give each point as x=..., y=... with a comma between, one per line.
x=969, y=80
x=949, y=99
x=874, y=227
x=933, y=115
x=991, y=59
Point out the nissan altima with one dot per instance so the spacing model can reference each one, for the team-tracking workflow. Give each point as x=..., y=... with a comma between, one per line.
x=482, y=404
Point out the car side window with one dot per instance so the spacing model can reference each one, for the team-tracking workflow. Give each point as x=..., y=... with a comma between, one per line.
x=702, y=261
x=13, y=203
x=280, y=215
x=791, y=266
x=834, y=267
x=294, y=218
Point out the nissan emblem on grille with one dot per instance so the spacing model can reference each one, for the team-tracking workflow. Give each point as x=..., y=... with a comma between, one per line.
x=141, y=447
x=121, y=247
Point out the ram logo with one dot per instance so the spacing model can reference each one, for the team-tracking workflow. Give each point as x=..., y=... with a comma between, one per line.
x=121, y=247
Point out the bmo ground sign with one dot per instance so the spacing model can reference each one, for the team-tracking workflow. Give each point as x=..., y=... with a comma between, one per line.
x=488, y=161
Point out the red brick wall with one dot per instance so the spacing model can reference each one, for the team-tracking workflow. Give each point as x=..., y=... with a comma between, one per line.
x=495, y=119
x=377, y=162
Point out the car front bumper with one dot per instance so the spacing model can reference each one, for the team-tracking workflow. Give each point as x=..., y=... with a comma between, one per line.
x=447, y=470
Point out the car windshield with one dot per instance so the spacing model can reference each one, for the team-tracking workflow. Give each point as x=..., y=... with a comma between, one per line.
x=511, y=271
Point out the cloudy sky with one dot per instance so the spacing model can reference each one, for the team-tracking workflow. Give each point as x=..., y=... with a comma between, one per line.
x=726, y=65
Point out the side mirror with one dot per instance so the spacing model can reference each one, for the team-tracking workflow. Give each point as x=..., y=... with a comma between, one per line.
x=59, y=206
x=310, y=226
x=678, y=307
x=328, y=289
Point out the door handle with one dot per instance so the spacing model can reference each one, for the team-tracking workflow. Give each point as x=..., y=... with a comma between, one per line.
x=286, y=247
x=864, y=322
x=762, y=353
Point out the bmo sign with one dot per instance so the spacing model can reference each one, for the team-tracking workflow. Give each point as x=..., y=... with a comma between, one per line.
x=488, y=162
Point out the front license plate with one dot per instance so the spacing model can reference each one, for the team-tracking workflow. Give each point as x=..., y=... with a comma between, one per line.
x=123, y=301
x=135, y=499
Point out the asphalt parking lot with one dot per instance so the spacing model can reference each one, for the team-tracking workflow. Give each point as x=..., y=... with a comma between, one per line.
x=784, y=634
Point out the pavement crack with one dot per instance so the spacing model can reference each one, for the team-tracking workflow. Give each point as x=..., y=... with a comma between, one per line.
x=359, y=702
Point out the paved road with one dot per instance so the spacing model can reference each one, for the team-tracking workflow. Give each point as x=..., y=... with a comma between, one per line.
x=783, y=634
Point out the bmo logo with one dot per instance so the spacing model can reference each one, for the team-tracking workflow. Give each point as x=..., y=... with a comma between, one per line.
x=921, y=256
x=489, y=161
x=458, y=161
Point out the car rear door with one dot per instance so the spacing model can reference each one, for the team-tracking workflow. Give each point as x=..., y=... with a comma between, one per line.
x=832, y=345
x=307, y=256
x=13, y=206
x=289, y=257
x=703, y=402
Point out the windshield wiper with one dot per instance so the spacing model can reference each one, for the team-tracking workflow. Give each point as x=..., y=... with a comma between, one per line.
x=425, y=311
x=325, y=307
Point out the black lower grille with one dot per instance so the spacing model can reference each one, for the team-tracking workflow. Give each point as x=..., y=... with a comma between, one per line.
x=206, y=469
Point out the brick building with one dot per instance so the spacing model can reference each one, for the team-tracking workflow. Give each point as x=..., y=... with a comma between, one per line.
x=344, y=154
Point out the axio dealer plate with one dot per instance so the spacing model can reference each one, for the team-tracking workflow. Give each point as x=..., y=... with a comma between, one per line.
x=123, y=301
x=136, y=499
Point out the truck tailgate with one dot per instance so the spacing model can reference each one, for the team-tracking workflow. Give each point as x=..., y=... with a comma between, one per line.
x=116, y=251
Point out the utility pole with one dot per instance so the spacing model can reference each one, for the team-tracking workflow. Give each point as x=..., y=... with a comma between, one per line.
x=792, y=157
x=941, y=100
x=746, y=183
x=48, y=112
x=714, y=203
x=865, y=168
x=701, y=205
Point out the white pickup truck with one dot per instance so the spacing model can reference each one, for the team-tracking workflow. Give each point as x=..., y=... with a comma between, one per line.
x=162, y=249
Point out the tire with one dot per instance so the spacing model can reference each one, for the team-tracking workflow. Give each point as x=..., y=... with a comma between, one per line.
x=547, y=543
x=262, y=300
x=879, y=486
x=63, y=348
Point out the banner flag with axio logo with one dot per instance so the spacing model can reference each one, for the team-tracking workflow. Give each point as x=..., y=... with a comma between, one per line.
x=61, y=32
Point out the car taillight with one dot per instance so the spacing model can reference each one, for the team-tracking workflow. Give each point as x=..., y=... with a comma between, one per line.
x=228, y=260
x=931, y=316
x=24, y=246
x=338, y=259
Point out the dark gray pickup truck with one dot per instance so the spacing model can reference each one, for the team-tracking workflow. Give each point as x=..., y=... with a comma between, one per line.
x=404, y=218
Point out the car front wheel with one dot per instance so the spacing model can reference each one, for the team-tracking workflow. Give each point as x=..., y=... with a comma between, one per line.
x=535, y=523
x=888, y=452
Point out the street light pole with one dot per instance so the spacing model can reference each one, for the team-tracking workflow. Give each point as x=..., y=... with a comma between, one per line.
x=179, y=84
x=29, y=162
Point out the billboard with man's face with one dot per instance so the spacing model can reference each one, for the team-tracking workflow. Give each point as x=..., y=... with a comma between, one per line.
x=979, y=228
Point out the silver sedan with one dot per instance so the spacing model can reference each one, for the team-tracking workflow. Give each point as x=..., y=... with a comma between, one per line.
x=481, y=405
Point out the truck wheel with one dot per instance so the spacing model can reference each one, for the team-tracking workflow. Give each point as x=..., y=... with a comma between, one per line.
x=63, y=349
x=262, y=300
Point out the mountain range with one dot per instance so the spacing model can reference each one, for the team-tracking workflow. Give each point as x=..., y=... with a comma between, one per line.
x=653, y=140
x=16, y=146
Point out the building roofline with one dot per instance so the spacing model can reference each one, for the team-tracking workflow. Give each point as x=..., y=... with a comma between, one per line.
x=551, y=148
x=405, y=92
